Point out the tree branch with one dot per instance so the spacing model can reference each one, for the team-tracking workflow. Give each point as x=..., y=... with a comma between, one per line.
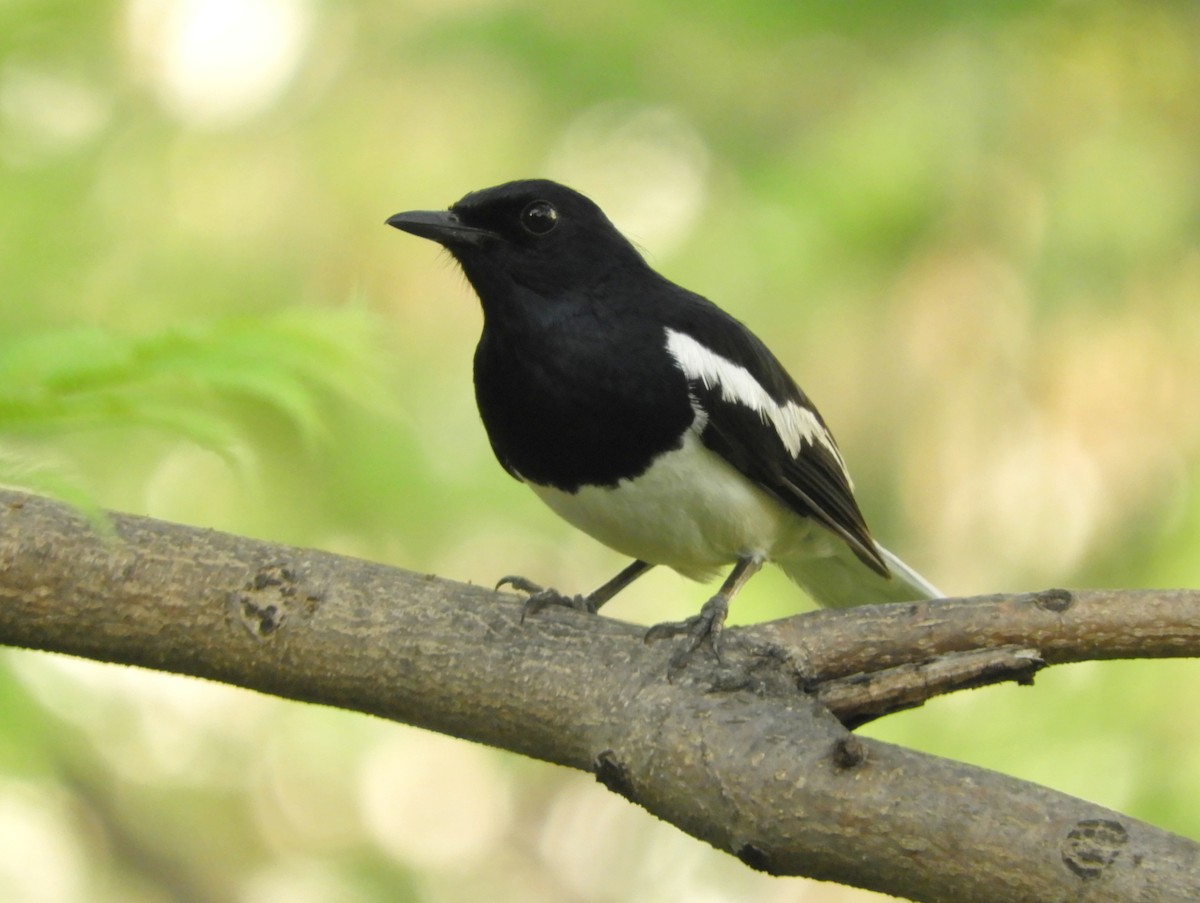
x=862, y=697
x=871, y=661
x=762, y=770
x=1063, y=625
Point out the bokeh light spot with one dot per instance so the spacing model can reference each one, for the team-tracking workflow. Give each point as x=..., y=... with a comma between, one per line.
x=217, y=62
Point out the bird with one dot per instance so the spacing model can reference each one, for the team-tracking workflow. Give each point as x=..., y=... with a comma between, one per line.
x=648, y=417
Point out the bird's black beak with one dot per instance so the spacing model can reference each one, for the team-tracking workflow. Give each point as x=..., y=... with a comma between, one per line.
x=441, y=226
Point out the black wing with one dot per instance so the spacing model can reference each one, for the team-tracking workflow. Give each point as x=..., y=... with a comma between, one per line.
x=788, y=452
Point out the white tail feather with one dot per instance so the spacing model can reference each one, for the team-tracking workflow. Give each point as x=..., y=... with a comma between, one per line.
x=841, y=580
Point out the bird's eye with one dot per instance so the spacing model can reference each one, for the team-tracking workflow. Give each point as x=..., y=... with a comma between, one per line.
x=539, y=217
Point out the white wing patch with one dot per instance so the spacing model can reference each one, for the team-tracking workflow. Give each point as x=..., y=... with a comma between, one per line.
x=794, y=424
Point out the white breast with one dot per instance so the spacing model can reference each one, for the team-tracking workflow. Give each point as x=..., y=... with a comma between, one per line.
x=690, y=510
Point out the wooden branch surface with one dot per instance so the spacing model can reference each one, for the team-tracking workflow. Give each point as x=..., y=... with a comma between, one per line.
x=764, y=772
x=1064, y=625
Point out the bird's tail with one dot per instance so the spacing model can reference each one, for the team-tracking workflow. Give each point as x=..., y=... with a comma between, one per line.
x=841, y=580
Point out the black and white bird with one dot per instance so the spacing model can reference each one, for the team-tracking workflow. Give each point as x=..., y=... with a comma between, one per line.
x=646, y=416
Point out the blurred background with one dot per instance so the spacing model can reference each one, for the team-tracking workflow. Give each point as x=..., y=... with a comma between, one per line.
x=972, y=232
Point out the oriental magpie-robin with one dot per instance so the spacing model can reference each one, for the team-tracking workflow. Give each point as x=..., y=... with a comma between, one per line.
x=646, y=416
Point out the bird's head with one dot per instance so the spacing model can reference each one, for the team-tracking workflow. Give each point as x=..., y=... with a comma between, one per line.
x=532, y=235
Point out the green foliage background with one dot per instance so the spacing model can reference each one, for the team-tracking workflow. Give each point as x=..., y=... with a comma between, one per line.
x=971, y=230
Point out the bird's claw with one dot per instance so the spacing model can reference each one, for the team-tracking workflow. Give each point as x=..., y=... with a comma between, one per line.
x=540, y=597
x=703, y=629
x=519, y=583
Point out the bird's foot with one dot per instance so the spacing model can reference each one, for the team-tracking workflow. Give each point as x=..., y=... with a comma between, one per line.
x=540, y=597
x=703, y=629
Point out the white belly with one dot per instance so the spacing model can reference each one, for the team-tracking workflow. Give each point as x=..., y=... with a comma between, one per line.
x=691, y=511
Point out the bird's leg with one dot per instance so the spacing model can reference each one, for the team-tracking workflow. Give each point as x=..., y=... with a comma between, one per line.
x=602, y=594
x=705, y=628
x=540, y=597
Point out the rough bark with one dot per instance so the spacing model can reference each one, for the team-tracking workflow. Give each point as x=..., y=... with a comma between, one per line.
x=746, y=757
